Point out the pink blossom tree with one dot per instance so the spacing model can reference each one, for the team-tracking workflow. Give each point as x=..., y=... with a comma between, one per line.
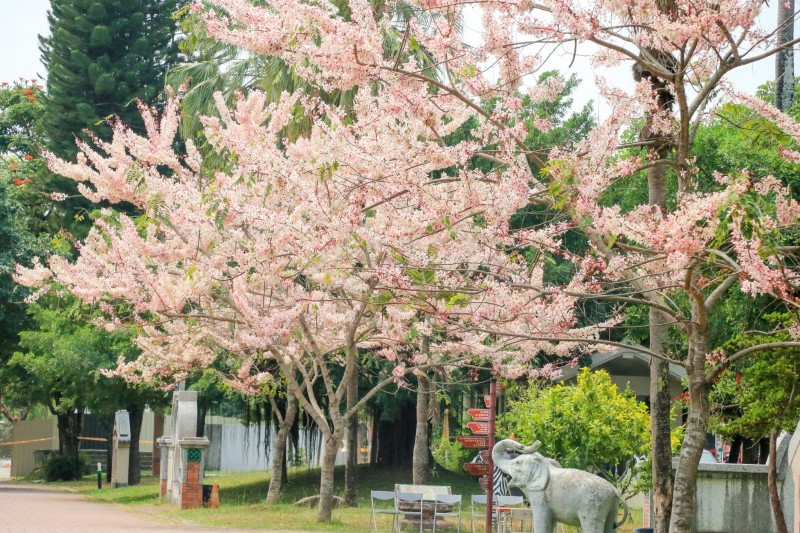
x=711, y=243
x=306, y=253
x=370, y=232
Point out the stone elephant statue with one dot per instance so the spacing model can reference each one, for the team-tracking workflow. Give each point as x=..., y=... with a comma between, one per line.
x=566, y=495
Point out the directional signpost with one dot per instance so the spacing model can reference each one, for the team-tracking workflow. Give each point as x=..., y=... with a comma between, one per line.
x=478, y=428
x=474, y=442
x=482, y=438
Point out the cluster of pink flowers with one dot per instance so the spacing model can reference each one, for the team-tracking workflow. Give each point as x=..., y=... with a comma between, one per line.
x=344, y=235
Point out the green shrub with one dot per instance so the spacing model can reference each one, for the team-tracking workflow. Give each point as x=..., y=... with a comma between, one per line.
x=65, y=468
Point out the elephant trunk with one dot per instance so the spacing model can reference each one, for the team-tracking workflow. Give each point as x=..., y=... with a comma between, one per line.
x=499, y=450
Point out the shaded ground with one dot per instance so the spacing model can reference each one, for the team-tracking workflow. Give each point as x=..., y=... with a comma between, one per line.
x=31, y=509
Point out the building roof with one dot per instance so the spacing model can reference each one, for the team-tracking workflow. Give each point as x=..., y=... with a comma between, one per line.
x=623, y=362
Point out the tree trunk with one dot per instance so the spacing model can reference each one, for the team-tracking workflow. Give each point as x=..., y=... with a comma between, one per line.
x=158, y=431
x=395, y=439
x=784, y=59
x=763, y=450
x=736, y=449
x=660, y=398
x=332, y=444
x=279, y=450
x=694, y=439
x=421, y=463
x=136, y=414
x=201, y=420
x=69, y=429
x=749, y=451
x=772, y=483
x=373, y=439
x=660, y=426
x=351, y=464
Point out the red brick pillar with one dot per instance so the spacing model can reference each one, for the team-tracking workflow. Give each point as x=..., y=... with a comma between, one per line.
x=192, y=489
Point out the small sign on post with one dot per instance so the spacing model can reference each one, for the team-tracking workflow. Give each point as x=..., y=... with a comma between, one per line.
x=481, y=415
x=474, y=441
x=478, y=428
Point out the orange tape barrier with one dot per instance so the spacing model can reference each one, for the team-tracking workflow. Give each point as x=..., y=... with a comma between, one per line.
x=13, y=442
x=29, y=441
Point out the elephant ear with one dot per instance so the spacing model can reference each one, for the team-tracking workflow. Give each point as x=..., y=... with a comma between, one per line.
x=540, y=474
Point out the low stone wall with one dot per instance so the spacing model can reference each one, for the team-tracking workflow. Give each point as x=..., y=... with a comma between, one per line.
x=734, y=498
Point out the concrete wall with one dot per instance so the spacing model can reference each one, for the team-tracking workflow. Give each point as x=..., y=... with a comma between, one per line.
x=30, y=436
x=734, y=498
x=27, y=436
x=793, y=479
x=236, y=447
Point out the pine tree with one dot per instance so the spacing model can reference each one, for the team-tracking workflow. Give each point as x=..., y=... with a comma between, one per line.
x=101, y=57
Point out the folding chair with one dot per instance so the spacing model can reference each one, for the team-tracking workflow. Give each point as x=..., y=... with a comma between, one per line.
x=445, y=506
x=410, y=504
x=508, y=505
x=380, y=497
x=476, y=499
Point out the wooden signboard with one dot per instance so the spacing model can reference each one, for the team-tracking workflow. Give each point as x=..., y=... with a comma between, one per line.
x=473, y=442
x=479, y=428
x=479, y=414
x=483, y=481
x=477, y=469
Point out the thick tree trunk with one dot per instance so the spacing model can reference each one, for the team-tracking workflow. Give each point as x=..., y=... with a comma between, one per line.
x=772, y=483
x=660, y=426
x=694, y=439
x=136, y=414
x=332, y=444
x=660, y=398
x=784, y=60
x=351, y=464
x=279, y=450
x=395, y=439
x=421, y=463
x=69, y=429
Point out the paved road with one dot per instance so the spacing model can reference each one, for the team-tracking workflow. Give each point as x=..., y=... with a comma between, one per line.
x=29, y=509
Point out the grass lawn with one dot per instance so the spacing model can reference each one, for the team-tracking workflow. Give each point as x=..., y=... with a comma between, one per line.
x=242, y=496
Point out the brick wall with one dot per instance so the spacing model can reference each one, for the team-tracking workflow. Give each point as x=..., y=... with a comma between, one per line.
x=192, y=490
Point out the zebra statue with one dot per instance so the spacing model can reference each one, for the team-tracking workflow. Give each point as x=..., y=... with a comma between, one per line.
x=499, y=479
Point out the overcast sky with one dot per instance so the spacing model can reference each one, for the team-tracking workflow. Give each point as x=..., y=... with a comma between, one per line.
x=21, y=21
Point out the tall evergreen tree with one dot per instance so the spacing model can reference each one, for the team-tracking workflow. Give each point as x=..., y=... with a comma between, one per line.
x=101, y=56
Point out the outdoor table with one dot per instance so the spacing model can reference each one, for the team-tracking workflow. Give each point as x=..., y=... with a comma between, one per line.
x=429, y=493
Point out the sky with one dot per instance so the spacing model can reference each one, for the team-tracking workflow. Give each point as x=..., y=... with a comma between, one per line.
x=21, y=21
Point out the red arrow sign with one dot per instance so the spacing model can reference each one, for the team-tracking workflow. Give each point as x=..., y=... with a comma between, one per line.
x=474, y=442
x=488, y=401
x=477, y=469
x=479, y=414
x=479, y=428
x=483, y=481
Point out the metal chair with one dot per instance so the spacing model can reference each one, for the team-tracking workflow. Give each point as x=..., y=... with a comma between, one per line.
x=476, y=499
x=450, y=502
x=381, y=496
x=509, y=504
x=413, y=506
